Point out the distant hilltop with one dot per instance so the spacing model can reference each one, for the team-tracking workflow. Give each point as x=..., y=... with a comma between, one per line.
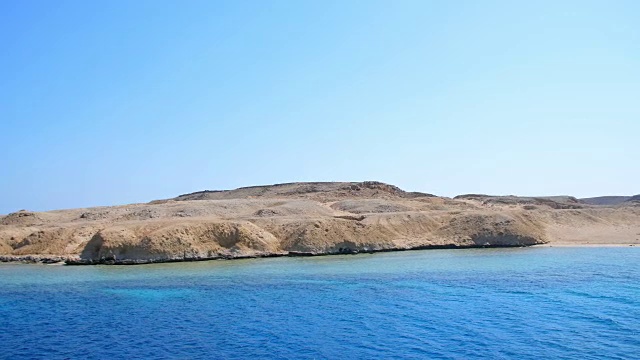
x=377, y=189
x=610, y=200
x=325, y=190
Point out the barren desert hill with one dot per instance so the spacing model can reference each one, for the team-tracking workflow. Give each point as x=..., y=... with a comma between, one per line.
x=635, y=198
x=307, y=219
x=563, y=201
x=309, y=190
x=605, y=200
x=556, y=202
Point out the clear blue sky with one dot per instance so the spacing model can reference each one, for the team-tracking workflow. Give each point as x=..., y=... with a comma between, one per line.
x=110, y=102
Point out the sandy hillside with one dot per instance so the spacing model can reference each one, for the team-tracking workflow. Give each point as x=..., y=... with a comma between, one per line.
x=308, y=219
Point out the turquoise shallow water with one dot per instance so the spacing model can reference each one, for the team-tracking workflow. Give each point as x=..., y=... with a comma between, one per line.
x=531, y=303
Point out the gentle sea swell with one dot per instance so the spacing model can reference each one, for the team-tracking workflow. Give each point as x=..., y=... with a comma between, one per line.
x=572, y=303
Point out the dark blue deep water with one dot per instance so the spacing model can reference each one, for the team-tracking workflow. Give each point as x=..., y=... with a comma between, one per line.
x=571, y=303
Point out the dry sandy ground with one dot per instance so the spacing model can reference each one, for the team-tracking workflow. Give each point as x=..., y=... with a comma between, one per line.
x=308, y=219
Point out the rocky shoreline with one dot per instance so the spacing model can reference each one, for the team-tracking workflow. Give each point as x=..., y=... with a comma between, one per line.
x=74, y=260
x=35, y=259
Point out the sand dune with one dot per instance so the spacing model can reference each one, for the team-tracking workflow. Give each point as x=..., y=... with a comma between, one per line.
x=308, y=219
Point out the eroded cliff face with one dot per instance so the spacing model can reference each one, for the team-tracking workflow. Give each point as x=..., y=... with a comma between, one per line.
x=178, y=240
x=294, y=219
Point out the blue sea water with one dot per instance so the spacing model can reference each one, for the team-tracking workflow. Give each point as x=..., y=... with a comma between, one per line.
x=530, y=303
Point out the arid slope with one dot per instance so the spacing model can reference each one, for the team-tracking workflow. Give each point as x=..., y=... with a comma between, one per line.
x=307, y=219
